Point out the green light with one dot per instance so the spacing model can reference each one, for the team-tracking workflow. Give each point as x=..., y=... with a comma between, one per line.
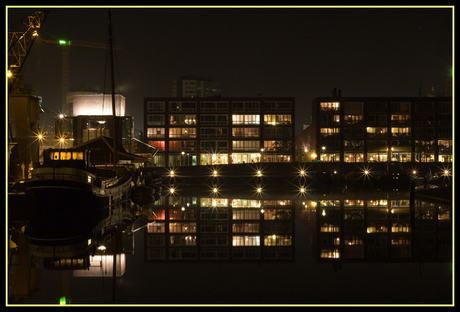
x=62, y=300
x=61, y=42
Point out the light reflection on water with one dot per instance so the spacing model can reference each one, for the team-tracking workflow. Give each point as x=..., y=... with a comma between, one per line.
x=268, y=249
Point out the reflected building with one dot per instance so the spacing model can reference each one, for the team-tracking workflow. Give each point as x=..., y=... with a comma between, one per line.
x=219, y=229
x=379, y=229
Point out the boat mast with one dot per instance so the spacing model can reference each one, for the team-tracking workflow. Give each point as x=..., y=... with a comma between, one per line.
x=114, y=128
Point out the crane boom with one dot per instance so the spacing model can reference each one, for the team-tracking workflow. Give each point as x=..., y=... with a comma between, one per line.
x=20, y=40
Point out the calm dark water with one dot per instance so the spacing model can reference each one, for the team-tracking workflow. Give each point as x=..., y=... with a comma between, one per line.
x=303, y=280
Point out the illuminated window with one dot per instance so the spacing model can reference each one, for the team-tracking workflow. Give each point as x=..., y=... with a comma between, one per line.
x=179, y=120
x=376, y=132
x=246, y=214
x=245, y=240
x=182, y=240
x=246, y=119
x=400, y=131
x=77, y=155
x=328, y=253
x=66, y=155
x=277, y=240
x=160, y=145
x=352, y=119
x=329, y=106
x=155, y=133
x=155, y=227
x=325, y=132
x=246, y=145
x=277, y=119
x=182, y=227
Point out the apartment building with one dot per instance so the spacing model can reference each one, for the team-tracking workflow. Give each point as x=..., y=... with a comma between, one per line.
x=364, y=129
x=208, y=131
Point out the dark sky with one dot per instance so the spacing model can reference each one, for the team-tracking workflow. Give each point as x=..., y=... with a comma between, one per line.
x=295, y=52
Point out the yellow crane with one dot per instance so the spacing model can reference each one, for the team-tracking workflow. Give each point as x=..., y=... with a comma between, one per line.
x=21, y=37
x=65, y=61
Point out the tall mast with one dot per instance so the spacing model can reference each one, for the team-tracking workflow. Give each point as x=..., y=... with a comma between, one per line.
x=114, y=127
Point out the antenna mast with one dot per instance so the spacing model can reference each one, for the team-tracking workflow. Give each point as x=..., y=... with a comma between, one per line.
x=114, y=127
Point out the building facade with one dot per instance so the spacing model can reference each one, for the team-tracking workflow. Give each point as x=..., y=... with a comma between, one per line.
x=366, y=129
x=208, y=131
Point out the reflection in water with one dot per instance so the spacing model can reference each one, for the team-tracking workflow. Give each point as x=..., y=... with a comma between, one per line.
x=213, y=228
x=209, y=249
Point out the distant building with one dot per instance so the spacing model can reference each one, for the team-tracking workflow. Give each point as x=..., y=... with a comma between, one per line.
x=91, y=116
x=96, y=104
x=205, y=131
x=362, y=129
x=194, y=86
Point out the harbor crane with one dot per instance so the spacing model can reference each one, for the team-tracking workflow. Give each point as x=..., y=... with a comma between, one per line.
x=65, y=45
x=21, y=37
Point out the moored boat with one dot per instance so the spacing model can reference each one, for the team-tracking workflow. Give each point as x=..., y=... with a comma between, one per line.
x=74, y=203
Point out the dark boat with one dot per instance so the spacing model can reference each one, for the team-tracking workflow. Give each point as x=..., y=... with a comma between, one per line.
x=73, y=204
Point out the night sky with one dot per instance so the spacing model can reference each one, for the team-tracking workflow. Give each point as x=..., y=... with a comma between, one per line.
x=293, y=52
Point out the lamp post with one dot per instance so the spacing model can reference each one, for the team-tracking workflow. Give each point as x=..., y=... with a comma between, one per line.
x=39, y=139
